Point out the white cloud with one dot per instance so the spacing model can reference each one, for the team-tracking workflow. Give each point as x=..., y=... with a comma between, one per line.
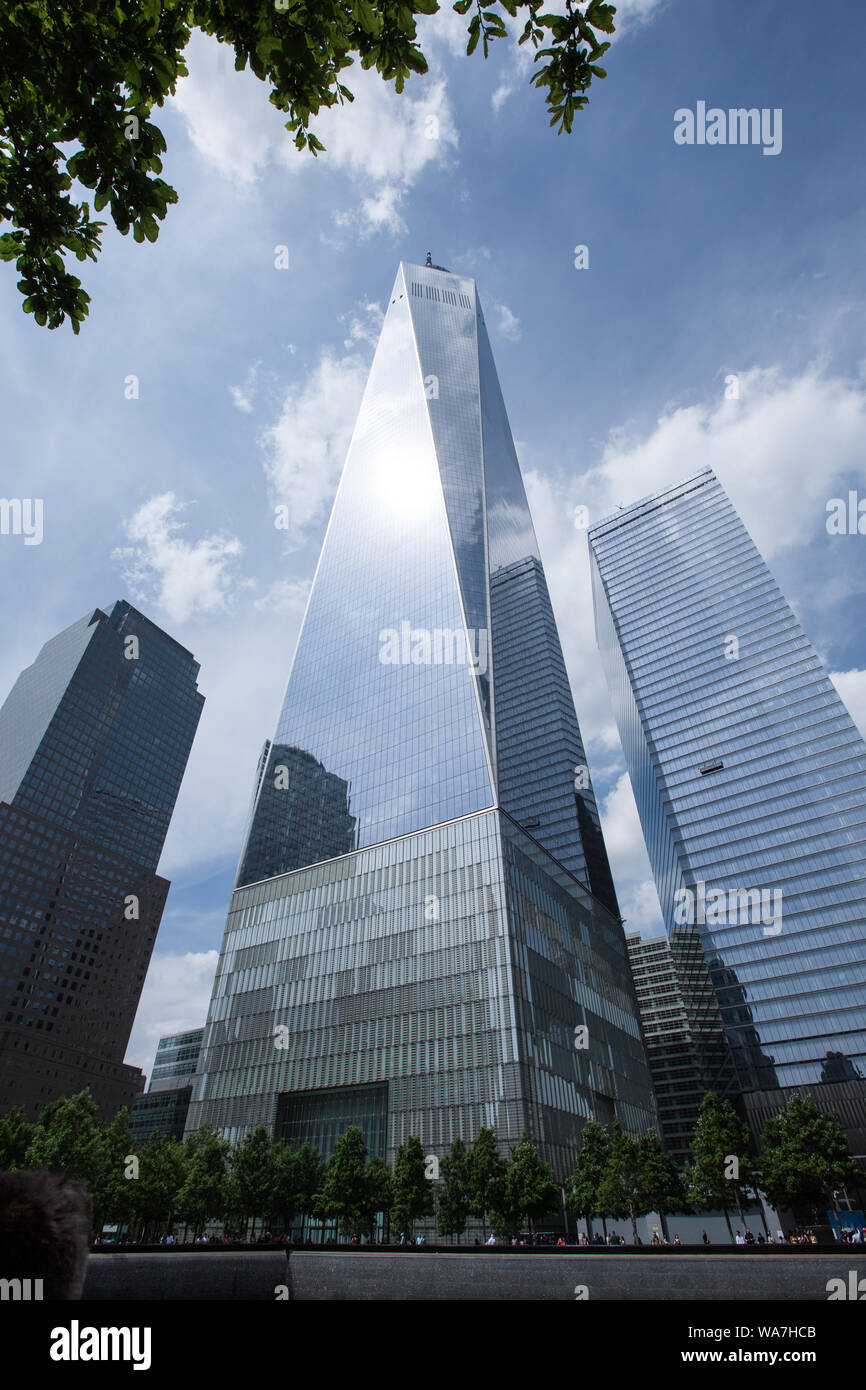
x=379, y=213
x=507, y=324
x=228, y=116
x=174, y=999
x=243, y=396
x=629, y=862
x=286, y=596
x=777, y=451
x=182, y=577
x=852, y=687
x=379, y=138
x=363, y=324
x=244, y=665
x=306, y=449
x=388, y=138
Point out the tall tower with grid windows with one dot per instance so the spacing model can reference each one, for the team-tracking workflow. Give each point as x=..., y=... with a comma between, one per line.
x=424, y=923
x=94, y=741
x=750, y=779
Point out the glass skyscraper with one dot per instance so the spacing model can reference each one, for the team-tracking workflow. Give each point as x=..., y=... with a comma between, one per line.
x=424, y=919
x=750, y=780
x=94, y=741
x=163, y=1108
x=682, y=1027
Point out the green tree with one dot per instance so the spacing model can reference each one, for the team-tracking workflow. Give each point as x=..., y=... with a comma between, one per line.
x=721, y=1170
x=453, y=1198
x=805, y=1157
x=623, y=1190
x=251, y=1177
x=114, y=1193
x=344, y=1193
x=203, y=1196
x=67, y=1137
x=161, y=1175
x=486, y=1176
x=380, y=1193
x=530, y=1188
x=582, y=1188
x=79, y=85
x=662, y=1184
x=16, y=1133
x=298, y=1173
x=411, y=1190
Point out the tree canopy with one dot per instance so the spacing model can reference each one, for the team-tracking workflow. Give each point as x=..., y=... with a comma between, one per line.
x=79, y=84
x=805, y=1157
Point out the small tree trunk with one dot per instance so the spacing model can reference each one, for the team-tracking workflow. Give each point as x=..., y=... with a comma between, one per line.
x=729, y=1226
x=740, y=1208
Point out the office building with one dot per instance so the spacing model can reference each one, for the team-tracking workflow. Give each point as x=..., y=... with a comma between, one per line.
x=94, y=740
x=424, y=935
x=750, y=780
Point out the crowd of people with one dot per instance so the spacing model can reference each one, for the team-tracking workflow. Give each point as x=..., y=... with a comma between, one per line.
x=799, y=1235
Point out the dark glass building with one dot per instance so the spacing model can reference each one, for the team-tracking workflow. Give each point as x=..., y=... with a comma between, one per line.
x=163, y=1108
x=94, y=740
x=424, y=922
x=750, y=780
x=682, y=1027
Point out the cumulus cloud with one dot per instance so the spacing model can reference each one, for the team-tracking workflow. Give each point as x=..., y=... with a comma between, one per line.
x=379, y=138
x=306, y=448
x=363, y=324
x=174, y=999
x=507, y=325
x=629, y=862
x=777, y=450
x=180, y=576
x=243, y=396
x=286, y=596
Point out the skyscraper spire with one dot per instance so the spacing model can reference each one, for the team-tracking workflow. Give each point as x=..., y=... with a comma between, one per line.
x=424, y=904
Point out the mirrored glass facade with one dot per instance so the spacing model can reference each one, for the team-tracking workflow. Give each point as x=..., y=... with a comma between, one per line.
x=749, y=776
x=423, y=899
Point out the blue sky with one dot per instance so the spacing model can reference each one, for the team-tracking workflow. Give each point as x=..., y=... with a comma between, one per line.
x=704, y=261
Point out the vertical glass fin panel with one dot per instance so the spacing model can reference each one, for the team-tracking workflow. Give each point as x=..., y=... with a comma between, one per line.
x=380, y=708
x=443, y=310
x=541, y=769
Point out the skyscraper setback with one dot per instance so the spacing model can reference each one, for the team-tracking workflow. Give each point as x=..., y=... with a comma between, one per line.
x=94, y=740
x=750, y=780
x=424, y=923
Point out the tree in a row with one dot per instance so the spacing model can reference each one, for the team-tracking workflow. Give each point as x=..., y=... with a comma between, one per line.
x=804, y=1161
x=623, y=1178
x=147, y=1186
x=502, y=1193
